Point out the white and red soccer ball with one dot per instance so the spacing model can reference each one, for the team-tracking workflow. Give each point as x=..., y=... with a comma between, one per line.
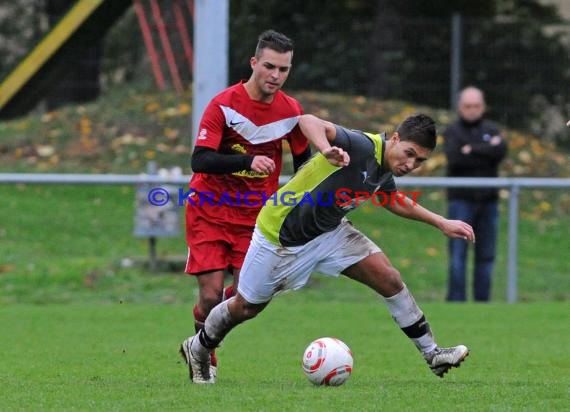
x=327, y=361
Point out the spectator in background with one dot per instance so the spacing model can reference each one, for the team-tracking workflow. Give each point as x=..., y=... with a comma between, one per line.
x=474, y=148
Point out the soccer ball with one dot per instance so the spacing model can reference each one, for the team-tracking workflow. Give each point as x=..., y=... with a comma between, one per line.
x=327, y=361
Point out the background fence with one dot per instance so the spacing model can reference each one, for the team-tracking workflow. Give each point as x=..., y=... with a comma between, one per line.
x=514, y=186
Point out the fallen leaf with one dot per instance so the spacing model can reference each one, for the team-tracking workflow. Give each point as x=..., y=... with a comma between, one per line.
x=152, y=107
x=45, y=150
x=431, y=251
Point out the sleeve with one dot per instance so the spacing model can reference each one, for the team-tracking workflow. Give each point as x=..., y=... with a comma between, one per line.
x=211, y=127
x=354, y=142
x=300, y=159
x=206, y=160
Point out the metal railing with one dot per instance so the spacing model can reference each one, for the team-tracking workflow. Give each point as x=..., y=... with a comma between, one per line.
x=514, y=185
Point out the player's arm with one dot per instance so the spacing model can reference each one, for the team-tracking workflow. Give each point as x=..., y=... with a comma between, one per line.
x=207, y=159
x=301, y=158
x=405, y=207
x=321, y=133
x=300, y=148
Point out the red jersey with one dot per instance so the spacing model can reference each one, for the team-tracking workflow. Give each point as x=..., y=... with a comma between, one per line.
x=234, y=123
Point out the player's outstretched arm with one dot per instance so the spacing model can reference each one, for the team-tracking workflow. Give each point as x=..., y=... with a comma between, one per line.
x=413, y=210
x=321, y=133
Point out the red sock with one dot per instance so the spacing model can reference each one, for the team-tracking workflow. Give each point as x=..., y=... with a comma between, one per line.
x=199, y=318
x=229, y=292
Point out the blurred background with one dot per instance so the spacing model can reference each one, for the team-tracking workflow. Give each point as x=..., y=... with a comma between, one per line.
x=110, y=104
x=515, y=50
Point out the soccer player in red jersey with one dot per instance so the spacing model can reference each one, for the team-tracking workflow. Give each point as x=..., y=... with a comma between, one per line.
x=236, y=164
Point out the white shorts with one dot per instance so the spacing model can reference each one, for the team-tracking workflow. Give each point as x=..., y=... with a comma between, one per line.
x=269, y=269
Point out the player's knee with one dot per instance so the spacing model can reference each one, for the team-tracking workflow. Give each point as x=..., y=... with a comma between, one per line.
x=209, y=298
x=250, y=311
x=243, y=310
x=392, y=280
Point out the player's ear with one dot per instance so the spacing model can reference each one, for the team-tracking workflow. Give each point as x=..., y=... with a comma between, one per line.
x=252, y=62
x=395, y=137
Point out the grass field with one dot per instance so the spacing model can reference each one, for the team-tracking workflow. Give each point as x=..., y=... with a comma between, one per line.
x=65, y=244
x=81, y=328
x=124, y=357
x=82, y=332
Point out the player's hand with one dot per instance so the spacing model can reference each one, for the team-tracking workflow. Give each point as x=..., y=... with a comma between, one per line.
x=262, y=164
x=336, y=156
x=458, y=229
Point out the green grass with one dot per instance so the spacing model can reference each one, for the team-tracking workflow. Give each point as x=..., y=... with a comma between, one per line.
x=124, y=357
x=82, y=332
x=66, y=243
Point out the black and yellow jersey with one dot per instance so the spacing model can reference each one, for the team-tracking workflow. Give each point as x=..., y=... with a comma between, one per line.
x=318, y=197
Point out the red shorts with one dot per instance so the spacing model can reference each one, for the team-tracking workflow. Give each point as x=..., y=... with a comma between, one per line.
x=217, y=237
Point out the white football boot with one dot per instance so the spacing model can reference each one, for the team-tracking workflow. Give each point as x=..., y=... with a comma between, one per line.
x=441, y=360
x=201, y=372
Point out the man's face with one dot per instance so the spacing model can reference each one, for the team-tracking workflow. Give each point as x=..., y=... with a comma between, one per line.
x=471, y=105
x=271, y=70
x=403, y=156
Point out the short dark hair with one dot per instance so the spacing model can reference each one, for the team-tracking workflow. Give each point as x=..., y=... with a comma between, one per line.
x=420, y=129
x=275, y=41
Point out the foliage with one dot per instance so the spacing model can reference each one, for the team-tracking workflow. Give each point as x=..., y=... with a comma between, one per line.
x=385, y=49
x=129, y=126
x=401, y=50
x=21, y=25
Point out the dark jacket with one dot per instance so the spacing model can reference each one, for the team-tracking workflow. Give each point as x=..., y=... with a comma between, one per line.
x=482, y=161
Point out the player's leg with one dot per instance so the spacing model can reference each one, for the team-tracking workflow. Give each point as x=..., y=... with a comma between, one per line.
x=376, y=272
x=360, y=259
x=458, y=210
x=240, y=243
x=207, y=259
x=485, y=228
x=221, y=320
x=267, y=270
x=210, y=286
x=230, y=313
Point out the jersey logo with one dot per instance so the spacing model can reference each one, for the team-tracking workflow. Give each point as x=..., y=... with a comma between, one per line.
x=258, y=134
x=250, y=174
x=203, y=134
x=364, y=176
x=239, y=148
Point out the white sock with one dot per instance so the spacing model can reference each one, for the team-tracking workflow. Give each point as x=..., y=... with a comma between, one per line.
x=411, y=320
x=216, y=326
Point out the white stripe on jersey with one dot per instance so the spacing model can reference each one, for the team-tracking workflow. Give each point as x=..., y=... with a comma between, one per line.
x=258, y=134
